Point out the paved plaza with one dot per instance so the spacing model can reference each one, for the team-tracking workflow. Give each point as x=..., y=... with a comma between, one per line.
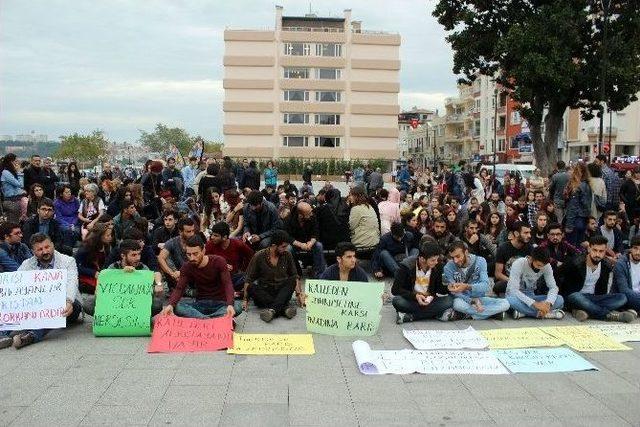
x=73, y=378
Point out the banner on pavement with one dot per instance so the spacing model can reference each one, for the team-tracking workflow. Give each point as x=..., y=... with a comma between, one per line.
x=180, y=334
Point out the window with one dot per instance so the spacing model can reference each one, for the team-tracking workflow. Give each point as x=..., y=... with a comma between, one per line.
x=328, y=96
x=515, y=117
x=297, y=49
x=295, y=141
x=327, y=141
x=501, y=145
x=327, y=73
x=328, y=49
x=296, y=95
x=327, y=119
x=296, y=73
x=296, y=118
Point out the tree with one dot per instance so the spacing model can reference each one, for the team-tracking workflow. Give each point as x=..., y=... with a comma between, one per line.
x=550, y=55
x=83, y=148
x=164, y=138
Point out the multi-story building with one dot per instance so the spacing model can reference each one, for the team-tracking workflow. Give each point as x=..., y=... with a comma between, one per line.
x=406, y=121
x=459, y=122
x=311, y=88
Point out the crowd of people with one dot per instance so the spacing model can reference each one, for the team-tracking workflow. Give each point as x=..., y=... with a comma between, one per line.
x=457, y=244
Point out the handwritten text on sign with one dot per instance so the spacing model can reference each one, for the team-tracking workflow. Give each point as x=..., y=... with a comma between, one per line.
x=343, y=308
x=178, y=334
x=543, y=360
x=33, y=300
x=123, y=303
x=272, y=344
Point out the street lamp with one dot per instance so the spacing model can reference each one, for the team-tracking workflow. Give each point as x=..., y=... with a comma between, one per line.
x=603, y=76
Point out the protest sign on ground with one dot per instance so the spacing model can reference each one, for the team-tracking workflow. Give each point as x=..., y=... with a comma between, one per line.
x=446, y=340
x=559, y=359
x=272, y=344
x=179, y=334
x=584, y=338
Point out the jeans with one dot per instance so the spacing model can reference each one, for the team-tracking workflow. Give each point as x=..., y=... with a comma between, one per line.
x=275, y=298
x=238, y=281
x=523, y=308
x=559, y=213
x=491, y=307
x=576, y=236
x=500, y=287
x=39, y=334
x=420, y=312
x=319, y=263
x=69, y=235
x=597, y=306
x=389, y=262
x=633, y=300
x=205, y=309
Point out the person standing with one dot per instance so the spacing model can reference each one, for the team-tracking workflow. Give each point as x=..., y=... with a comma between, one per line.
x=578, y=207
x=559, y=181
x=271, y=175
x=13, y=189
x=611, y=181
x=49, y=178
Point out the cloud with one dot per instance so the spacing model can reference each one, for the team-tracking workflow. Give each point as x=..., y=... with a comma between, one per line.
x=161, y=88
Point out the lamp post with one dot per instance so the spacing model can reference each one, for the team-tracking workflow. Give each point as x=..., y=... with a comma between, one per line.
x=603, y=76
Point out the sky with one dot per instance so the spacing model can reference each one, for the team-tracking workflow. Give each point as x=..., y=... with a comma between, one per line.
x=125, y=65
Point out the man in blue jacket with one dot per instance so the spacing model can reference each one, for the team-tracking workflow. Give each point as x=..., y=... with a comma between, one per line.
x=393, y=247
x=626, y=275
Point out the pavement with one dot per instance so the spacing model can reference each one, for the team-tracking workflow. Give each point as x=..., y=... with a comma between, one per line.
x=73, y=378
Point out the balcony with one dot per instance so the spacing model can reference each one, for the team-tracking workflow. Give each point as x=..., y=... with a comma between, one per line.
x=502, y=109
x=595, y=130
x=315, y=29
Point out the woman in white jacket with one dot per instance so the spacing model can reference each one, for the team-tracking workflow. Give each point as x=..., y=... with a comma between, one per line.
x=598, y=189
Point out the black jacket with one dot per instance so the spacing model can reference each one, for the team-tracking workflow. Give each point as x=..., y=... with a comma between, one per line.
x=32, y=226
x=32, y=176
x=405, y=280
x=251, y=179
x=573, y=272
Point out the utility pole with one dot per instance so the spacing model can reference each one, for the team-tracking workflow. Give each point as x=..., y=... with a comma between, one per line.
x=495, y=131
x=603, y=78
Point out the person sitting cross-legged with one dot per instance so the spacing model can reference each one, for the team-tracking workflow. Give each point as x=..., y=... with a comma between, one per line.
x=584, y=286
x=271, y=279
x=524, y=280
x=467, y=280
x=46, y=257
x=626, y=275
x=211, y=279
x=393, y=247
x=346, y=269
x=418, y=289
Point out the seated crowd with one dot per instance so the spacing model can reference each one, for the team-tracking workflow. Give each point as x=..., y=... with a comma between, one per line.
x=455, y=245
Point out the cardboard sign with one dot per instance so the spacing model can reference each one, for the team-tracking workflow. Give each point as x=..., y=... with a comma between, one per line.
x=371, y=362
x=584, y=338
x=179, y=334
x=519, y=338
x=343, y=308
x=446, y=340
x=620, y=332
x=123, y=303
x=543, y=360
x=33, y=299
x=272, y=344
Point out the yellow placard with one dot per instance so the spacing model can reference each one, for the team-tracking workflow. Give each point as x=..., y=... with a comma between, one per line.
x=584, y=338
x=272, y=344
x=618, y=332
x=500, y=339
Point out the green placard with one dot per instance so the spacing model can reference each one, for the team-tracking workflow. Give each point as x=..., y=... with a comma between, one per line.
x=123, y=303
x=343, y=308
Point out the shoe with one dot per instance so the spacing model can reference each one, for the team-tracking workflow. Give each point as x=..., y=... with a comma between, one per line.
x=290, y=312
x=267, y=315
x=500, y=316
x=515, y=314
x=403, y=318
x=580, y=315
x=23, y=340
x=446, y=315
x=6, y=342
x=616, y=316
x=632, y=311
x=555, y=314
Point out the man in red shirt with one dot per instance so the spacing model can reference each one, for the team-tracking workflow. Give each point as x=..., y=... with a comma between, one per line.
x=210, y=277
x=234, y=251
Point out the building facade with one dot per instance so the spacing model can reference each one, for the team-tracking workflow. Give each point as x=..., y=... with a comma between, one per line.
x=311, y=88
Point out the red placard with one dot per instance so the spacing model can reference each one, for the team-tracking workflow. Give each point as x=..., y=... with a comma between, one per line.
x=173, y=334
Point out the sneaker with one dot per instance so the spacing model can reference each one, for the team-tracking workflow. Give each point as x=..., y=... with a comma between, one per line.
x=516, y=315
x=580, y=315
x=447, y=315
x=403, y=318
x=500, y=316
x=555, y=314
x=6, y=342
x=267, y=315
x=290, y=312
x=616, y=316
x=23, y=340
x=632, y=311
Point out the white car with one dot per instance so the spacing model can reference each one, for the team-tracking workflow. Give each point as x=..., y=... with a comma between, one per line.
x=524, y=170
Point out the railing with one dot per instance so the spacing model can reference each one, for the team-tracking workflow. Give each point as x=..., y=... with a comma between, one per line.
x=315, y=29
x=596, y=130
x=374, y=32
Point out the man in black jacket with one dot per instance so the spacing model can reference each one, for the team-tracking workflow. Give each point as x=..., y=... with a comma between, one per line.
x=260, y=221
x=418, y=288
x=302, y=226
x=584, y=286
x=393, y=247
x=44, y=223
x=251, y=177
x=34, y=174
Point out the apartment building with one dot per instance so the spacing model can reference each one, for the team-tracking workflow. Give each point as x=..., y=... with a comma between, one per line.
x=311, y=88
x=408, y=122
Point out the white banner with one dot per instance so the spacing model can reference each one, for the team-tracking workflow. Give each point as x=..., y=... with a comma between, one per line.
x=446, y=339
x=33, y=300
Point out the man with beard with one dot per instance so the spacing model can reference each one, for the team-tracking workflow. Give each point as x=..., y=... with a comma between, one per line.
x=47, y=258
x=525, y=280
x=346, y=268
x=466, y=278
x=613, y=235
x=584, y=286
x=34, y=173
x=626, y=275
x=260, y=221
x=479, y=245
x=559, y=249
x=237, y=253
x=440, y=235
x=209, y=275
x=517, y=247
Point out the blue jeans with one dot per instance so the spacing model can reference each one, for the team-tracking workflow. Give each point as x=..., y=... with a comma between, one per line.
x=523, y=308
x=69, y=235
x=238, y=281
x=597, y=306
x=39, y=334
x=576, y=236
x=205, y=309
x=420, y=312
x=633, y=300
x=388, y=262
x=492, y=306
x=319, y=263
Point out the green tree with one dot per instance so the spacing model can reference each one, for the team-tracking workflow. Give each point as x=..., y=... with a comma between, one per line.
x=83, y=148
x=550, y=54
x=163, y=138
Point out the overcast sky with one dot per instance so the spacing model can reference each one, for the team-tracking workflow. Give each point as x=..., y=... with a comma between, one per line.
x=123, y=65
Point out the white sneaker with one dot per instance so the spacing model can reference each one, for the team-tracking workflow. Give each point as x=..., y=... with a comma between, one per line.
x=516, y=315
x=555, y=314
